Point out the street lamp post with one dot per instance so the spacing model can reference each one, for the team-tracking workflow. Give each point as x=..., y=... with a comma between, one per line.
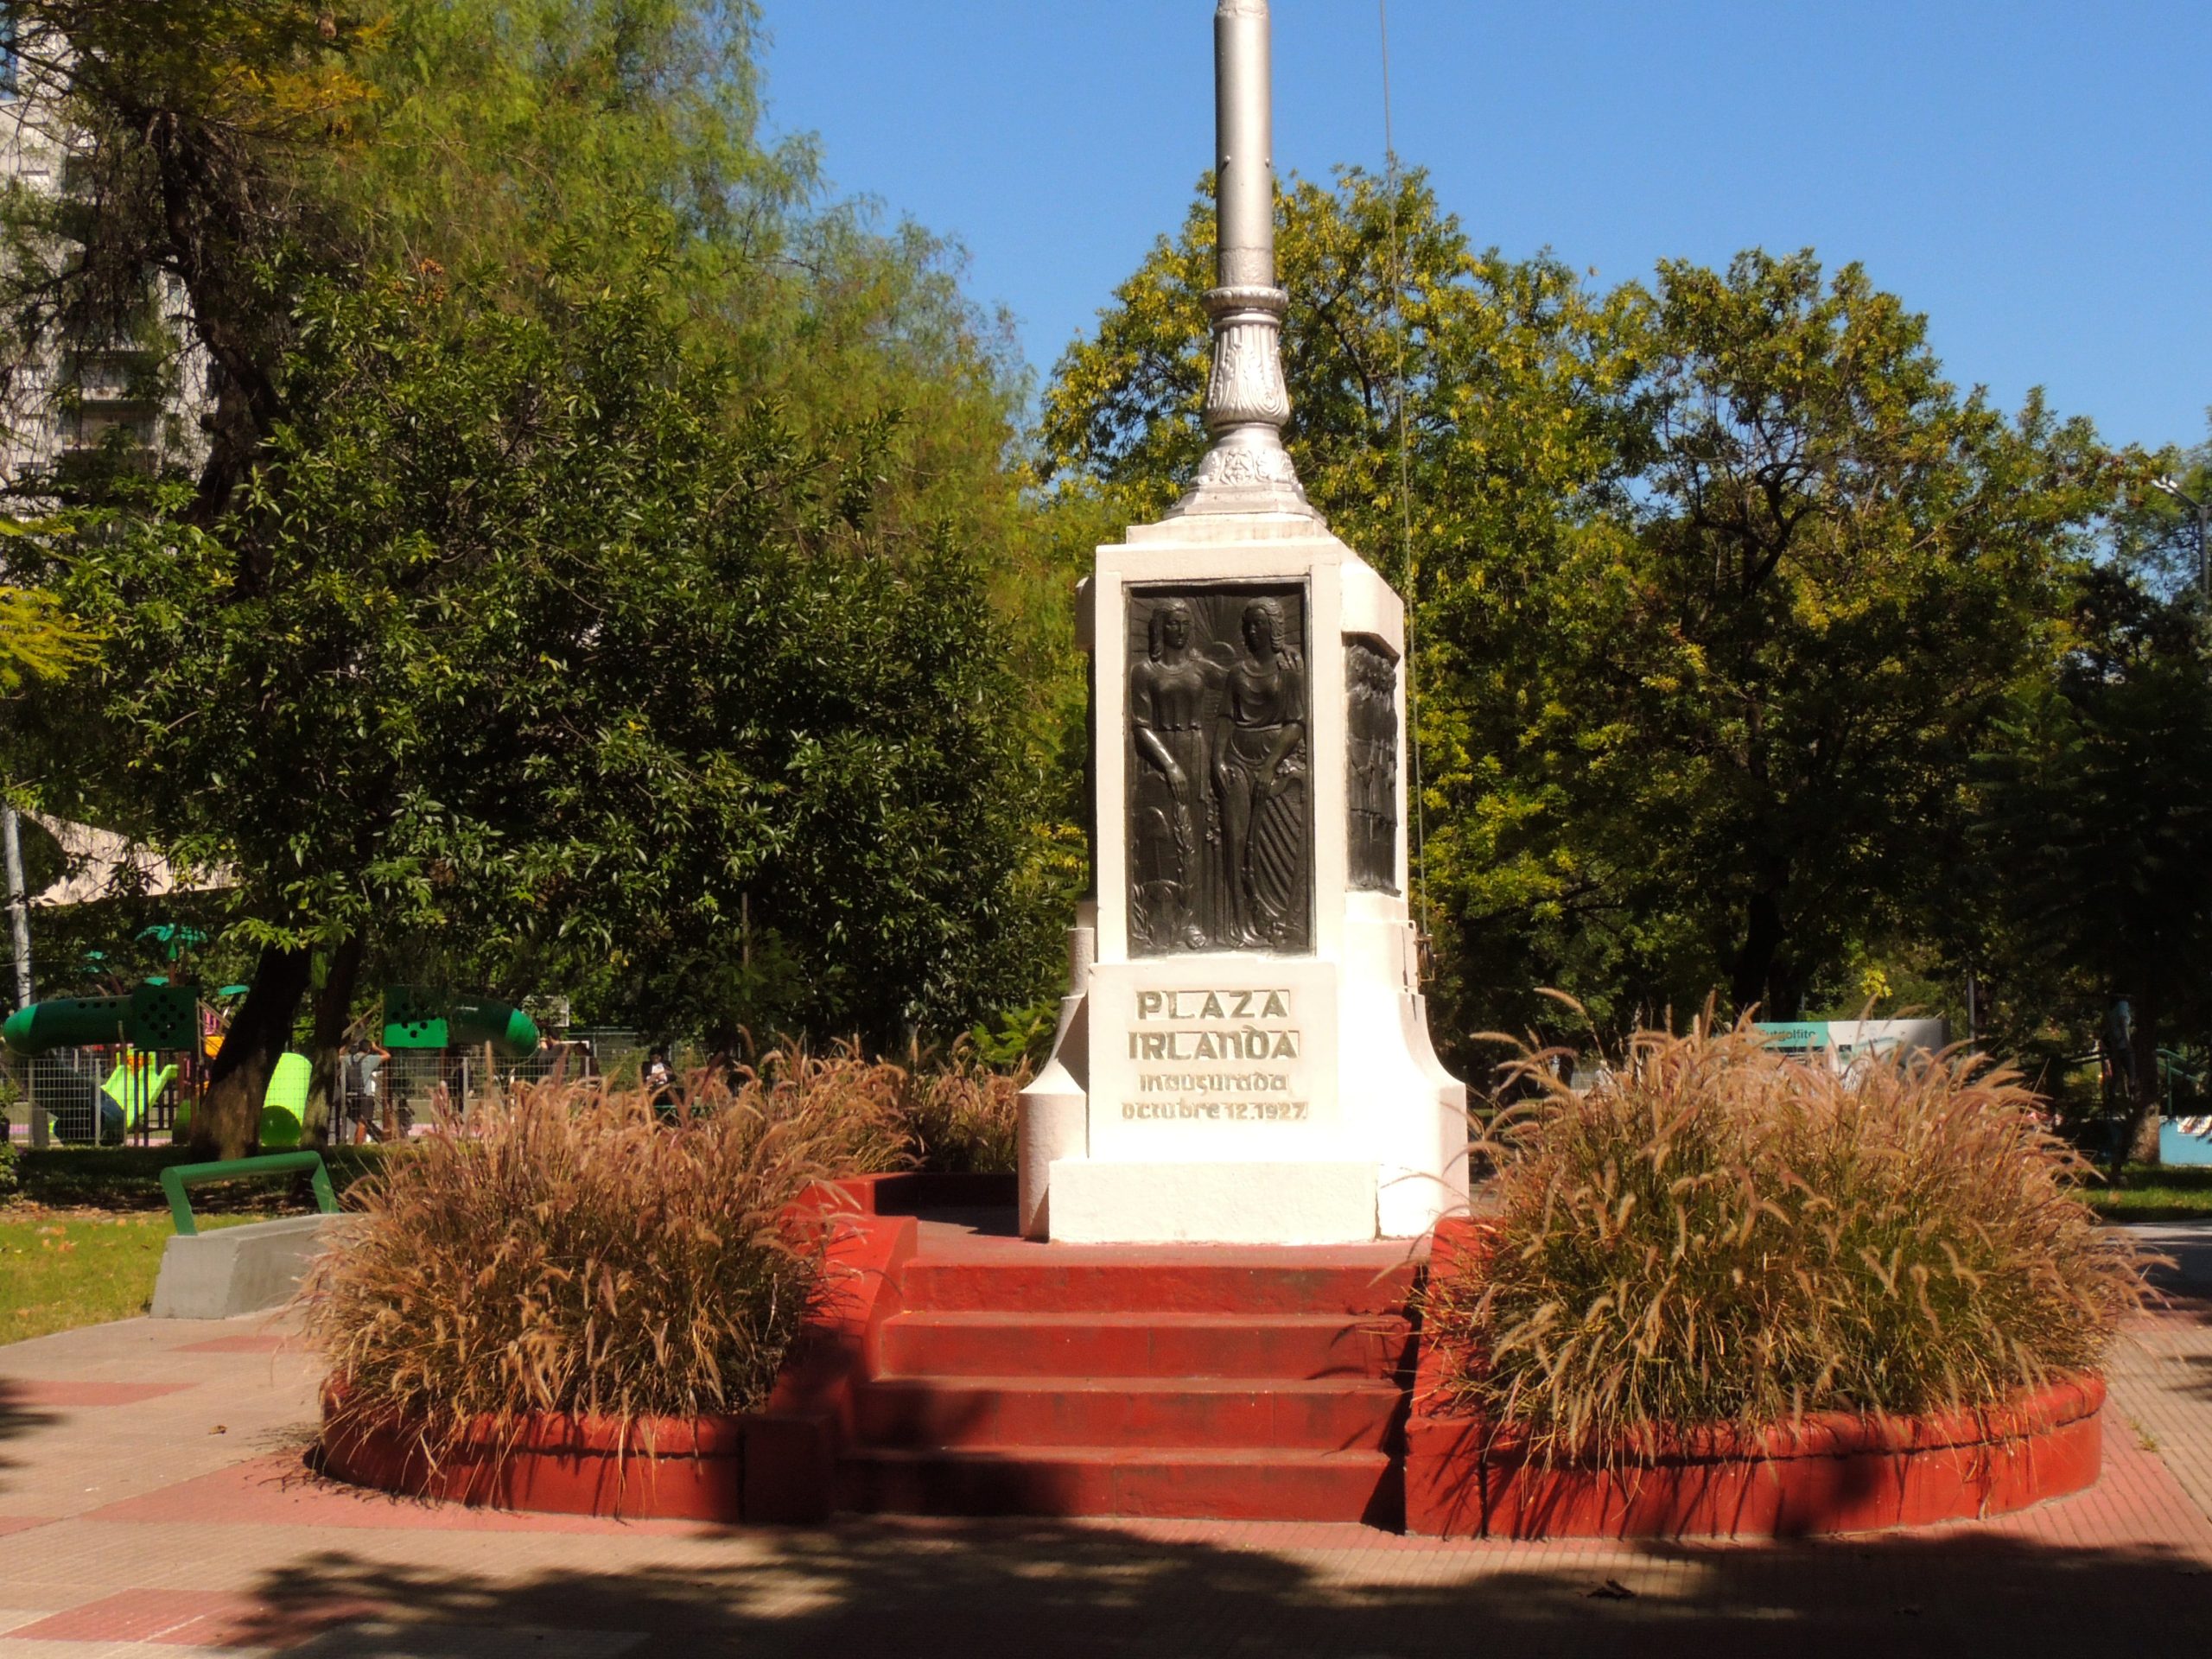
x=2169, y=486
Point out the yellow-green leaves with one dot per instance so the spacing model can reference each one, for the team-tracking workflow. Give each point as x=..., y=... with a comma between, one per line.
x=39, y=640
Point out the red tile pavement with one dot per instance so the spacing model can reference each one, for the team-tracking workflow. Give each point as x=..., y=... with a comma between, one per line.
x=45, y=1395
x=280, y=1490
x=199, y=1618
x=259, y=1343
x=129, y=1502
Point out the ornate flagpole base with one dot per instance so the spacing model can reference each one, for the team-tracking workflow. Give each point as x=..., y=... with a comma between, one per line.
x=1247, y=470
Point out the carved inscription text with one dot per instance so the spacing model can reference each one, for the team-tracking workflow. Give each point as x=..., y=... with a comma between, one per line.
x=1217, y=1057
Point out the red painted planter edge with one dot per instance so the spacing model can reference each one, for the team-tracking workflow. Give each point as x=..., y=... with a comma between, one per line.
x=777, y=1463
x=1451, y=1453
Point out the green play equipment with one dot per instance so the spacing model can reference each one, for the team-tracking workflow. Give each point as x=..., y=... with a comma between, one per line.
x=415, y=1019
x=284, y=1108
x=151, y=1017
x=135, y=1084
x=177, y=1177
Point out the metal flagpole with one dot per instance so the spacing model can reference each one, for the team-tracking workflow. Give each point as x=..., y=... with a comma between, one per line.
x=1247, y=469
x=19, y=920
x=19, y=910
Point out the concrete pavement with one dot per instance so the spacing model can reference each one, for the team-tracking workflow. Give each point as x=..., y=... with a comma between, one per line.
x=154, y=1503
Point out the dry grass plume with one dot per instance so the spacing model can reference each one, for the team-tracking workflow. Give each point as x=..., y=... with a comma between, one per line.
x=1715, y=1233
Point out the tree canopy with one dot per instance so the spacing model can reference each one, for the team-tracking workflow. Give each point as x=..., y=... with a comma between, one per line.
x=590, y=578
x=1716, y=584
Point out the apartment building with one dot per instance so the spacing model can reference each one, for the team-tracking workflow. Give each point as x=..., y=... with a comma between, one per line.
x=67, y=400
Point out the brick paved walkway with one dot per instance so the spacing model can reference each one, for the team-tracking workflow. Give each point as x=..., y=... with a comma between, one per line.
x=153, y=1505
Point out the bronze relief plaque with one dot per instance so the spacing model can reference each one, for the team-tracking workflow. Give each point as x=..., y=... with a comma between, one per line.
x=1219, y=766
x=1371, y=764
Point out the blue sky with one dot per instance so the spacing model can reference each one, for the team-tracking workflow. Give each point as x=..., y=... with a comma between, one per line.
x=2022, y=173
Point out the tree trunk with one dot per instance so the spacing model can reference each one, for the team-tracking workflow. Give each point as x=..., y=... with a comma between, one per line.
x=333, y=1010
x=1751, y=980
x=227, y=1123
x=2139, y=1144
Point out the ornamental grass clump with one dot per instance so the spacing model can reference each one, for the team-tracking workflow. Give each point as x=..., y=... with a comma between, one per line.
x=962, y=1115
x=569, y=1252
x=954, y=1114
x=1715, y=1234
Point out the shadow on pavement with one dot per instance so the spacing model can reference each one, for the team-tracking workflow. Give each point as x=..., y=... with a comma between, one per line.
x=18, y=1417
x=980, y=1590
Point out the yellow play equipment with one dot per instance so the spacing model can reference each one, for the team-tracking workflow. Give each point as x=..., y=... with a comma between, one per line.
x=134, y=1085
x=284, y=1108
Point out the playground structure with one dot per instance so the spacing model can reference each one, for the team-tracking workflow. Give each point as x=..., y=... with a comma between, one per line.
x=130, y=1067
x=442, y=1053
x=108, y=1068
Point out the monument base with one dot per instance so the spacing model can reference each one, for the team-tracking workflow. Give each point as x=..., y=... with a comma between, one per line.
x=1095, y=1202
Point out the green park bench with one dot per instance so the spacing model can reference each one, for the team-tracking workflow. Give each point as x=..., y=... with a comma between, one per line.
x=177, y=1177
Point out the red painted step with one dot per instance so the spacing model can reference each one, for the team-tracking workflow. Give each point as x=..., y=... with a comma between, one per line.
x=1068, y=1380
x=1374, y=1279
x=1298, y=1347
x=1234, y=1484
x=952, y=1413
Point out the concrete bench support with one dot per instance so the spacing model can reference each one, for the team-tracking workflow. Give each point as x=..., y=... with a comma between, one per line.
x=238, y=1269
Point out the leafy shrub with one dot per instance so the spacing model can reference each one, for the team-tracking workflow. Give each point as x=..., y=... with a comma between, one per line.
x=10, y=1176
x=570, y=1253
x=1716, y=1233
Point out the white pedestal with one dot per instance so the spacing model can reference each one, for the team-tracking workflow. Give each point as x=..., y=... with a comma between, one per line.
x=1245, y=1096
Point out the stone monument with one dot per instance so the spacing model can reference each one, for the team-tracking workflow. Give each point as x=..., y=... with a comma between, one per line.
x=1243, y=1052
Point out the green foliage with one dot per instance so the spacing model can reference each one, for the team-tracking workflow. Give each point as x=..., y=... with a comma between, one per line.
x=2094, y=835
x=1715, y=1234
x=1764, y=698
x=426, y=619
x=2155, y=536
x=38, y=639
x=1024, y=1033
x=549, y=658
x=1713, y=587
x=191, y=131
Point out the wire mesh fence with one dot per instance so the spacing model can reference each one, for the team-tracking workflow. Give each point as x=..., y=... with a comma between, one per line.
x=409, y=1090
x=94, y=1096
x=112, y=1095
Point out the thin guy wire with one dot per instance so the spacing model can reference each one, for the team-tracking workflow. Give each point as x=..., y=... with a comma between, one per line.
x=1408, y=560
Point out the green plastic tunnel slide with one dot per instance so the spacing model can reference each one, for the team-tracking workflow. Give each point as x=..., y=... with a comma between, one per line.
x=507, y=1028
x=415, y=1019
x=66, y=1022
x=153, y=1017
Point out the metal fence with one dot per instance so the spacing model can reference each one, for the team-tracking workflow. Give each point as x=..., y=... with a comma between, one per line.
x=86, y=1102
x=88, y=1096
x=416, y=1089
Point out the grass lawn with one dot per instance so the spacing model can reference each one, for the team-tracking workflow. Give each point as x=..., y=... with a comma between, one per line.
x=2149, y=1192
x=83, y=1243
x=59, y=1271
